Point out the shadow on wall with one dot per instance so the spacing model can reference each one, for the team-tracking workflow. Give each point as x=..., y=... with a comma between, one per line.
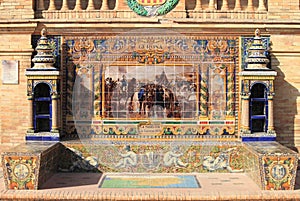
x=78, y=160
x=285, y=107
x=75, y=168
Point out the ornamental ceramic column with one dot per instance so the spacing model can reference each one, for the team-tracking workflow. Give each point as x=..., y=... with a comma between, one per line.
x=245, y=114
x=54, y=98
x=237, y=6
x=104, y=5
x=203, y=96
x=230, y=92
x=270, y=115
x=30, y=114
x=261, y=5
x=224, y=5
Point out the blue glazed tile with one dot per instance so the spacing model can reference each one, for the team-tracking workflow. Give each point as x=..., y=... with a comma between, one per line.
x=41, y=138
x=258, y=139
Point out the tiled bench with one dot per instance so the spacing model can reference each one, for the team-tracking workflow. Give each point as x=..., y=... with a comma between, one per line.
x=271, y=165
x=29, y=165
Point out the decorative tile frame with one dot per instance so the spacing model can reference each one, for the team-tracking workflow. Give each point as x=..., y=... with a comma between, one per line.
x=215, y=56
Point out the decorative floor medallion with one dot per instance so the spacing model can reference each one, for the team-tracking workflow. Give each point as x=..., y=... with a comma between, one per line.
x=149, y=181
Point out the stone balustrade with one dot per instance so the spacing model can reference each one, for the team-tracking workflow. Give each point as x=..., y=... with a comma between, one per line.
x=201, y=9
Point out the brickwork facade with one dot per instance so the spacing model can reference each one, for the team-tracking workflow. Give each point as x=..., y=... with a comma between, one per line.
x=21, y=19
x=15, y=46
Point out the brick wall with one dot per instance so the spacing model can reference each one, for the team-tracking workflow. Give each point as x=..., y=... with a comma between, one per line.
x=16, y=9
x=13, y=97
x=285, y=60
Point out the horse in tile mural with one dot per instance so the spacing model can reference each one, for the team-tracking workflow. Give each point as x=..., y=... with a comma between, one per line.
x=155, y=101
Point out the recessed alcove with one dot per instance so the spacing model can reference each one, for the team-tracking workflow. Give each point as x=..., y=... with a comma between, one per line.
x=42, y=108
x=258, y=108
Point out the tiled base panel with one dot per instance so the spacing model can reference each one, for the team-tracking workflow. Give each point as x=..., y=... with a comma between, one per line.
x=269, y=164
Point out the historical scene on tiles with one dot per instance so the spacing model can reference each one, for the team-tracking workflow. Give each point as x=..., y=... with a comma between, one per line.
x=119, y=82
x=150, y=91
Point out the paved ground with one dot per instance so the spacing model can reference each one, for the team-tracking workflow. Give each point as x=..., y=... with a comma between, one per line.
x=84, y=186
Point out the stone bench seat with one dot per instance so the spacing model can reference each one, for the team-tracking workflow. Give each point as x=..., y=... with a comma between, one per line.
x=29, y=165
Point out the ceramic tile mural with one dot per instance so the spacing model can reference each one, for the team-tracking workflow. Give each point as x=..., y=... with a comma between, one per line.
x=187, y=81
x=155, y=157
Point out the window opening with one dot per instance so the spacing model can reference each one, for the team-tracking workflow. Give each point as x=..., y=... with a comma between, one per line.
x=42, y=108
x=258, y=108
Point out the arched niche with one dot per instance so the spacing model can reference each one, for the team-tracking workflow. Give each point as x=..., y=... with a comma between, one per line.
x=258, y=110
x=42, y=108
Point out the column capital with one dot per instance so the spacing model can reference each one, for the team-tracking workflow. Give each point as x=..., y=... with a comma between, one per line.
x=54, y=130
x=271, y=95
x=30, y=97
x=245, y=130
x=55, y=96
x=271, y=130
x=245, y=96
x=30, y=130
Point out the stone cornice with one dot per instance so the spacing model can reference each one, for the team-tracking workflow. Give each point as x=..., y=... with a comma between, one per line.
x=17, y=26
x=16, y=52
x=197, y=26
